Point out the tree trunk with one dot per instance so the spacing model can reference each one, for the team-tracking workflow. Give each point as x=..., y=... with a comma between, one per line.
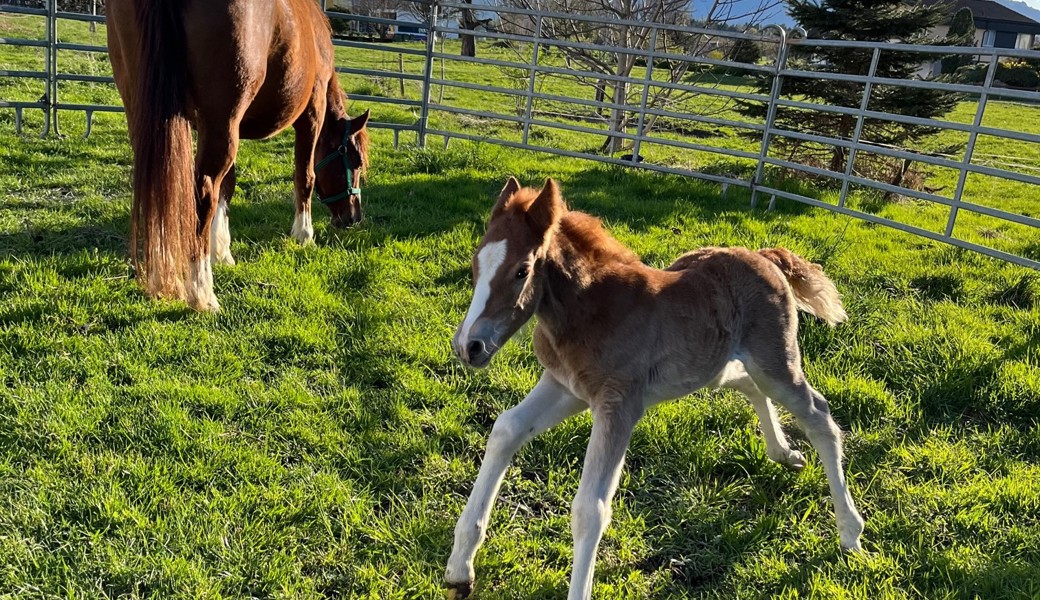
x=619, y=117
x=468, y=22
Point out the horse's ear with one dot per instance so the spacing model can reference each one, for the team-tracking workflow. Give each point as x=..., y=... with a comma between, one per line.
x=547, y=209
x=512, y=186
x=357, y=124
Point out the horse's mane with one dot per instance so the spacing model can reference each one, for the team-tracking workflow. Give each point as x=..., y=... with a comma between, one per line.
x=337, y=106
x=587, y=235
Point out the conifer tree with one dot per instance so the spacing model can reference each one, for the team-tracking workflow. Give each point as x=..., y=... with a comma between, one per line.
x=863, y=20
x=962, y=33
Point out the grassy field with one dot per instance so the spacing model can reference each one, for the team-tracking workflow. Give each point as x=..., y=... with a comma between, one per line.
x=316, y=439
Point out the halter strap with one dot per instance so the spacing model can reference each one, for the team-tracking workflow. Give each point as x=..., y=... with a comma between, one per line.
x=340, y=152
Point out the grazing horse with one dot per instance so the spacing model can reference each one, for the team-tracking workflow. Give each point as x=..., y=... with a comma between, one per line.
x=230, y=69
x=617, y=337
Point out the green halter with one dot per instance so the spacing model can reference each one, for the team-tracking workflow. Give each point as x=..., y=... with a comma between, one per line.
x=340, y=152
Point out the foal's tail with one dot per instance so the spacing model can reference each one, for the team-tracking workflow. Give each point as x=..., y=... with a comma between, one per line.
x=813, y=291
x=163, y=219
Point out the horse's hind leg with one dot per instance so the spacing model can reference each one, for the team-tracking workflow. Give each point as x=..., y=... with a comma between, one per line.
x=779, y=376
x=220, y=230
x=777, y=447
x=215, y=158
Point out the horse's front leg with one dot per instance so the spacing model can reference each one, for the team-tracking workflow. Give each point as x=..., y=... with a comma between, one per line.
x=612, y=423
x=307, y=128
x=546, y=405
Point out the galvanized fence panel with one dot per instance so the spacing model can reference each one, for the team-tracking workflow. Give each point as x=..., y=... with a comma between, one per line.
x=672, y=109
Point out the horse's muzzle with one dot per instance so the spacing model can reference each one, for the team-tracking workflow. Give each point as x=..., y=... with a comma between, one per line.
x=476, y=350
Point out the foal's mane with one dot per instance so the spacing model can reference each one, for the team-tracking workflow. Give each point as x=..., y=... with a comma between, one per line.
x=589, y=238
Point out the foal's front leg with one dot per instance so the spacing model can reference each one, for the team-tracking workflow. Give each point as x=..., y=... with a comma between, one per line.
x=546, y=405
x=612, y=425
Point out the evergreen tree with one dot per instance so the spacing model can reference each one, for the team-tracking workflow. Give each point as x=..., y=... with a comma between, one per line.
x=745, y=51
x=863, y=20
x=962, y=33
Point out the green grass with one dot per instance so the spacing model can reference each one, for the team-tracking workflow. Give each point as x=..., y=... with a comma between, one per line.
x=316, y=439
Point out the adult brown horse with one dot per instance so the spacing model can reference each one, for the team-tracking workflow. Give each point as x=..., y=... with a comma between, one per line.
x=230, y=69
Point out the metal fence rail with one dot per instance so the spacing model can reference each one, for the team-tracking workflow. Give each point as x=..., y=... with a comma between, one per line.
x=533, y=92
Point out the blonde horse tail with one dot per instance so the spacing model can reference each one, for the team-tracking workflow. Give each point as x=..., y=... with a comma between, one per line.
x=163, y=220
x=813, y=291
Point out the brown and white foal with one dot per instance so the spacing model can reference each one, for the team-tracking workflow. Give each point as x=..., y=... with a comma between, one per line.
x=616, y=337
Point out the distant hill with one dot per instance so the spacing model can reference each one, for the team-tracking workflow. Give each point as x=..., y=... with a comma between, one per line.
x=1021, y=8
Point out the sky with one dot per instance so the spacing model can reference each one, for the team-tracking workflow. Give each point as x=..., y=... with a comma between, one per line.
x=779, y=13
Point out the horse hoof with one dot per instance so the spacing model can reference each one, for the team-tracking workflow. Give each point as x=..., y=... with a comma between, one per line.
x=849, y=530
x=205, y=305
x=794, y=461
x=459, y=591
x=224, y=259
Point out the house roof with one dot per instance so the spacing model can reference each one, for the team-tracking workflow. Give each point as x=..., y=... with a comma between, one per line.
x=987, y=10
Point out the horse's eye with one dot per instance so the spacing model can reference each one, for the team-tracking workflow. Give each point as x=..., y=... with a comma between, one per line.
x=522, y=273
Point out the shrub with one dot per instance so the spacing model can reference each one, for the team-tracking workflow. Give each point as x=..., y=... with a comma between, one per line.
x=1018, y=74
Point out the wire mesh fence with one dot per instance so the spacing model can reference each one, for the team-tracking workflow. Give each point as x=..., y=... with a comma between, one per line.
x=717, y=104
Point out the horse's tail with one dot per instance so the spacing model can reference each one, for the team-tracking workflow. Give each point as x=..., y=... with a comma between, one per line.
x=813, y=291
x=163, y=219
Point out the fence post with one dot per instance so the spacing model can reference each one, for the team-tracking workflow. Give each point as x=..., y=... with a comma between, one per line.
x=859, y=125
x=52, y=95
x=647, y=78
x=962, y=177
x=49, y=51
x=424, y=107
x=530, y=82
x=774, y=95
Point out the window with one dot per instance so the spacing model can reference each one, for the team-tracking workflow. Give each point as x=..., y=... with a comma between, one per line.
x=988, y=37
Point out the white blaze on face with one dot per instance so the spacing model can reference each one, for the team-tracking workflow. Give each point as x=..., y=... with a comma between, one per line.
x=489, y=261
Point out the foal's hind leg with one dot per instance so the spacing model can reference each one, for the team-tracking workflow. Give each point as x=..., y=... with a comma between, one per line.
x=612, y=425
x=781, y=378
x=220, y=232
x=777, y=447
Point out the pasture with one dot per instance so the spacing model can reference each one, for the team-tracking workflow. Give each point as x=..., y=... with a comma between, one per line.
x=318, y=439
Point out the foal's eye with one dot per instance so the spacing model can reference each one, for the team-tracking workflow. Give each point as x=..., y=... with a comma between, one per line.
x=522, y=273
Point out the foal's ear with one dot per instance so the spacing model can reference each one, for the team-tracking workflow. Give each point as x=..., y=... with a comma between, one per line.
x=512, y=186
x=547, y=209
x=358, y=123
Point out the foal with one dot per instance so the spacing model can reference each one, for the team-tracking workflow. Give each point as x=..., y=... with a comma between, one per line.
x=616, y=337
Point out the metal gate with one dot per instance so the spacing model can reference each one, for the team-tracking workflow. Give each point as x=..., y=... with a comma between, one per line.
x=518, y=98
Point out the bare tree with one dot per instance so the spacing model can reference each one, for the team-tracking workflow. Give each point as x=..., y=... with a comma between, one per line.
x=632, y=25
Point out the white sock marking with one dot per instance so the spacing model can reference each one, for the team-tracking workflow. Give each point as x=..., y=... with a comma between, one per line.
x=200, y=287
x=220, y=237
x=303, y=228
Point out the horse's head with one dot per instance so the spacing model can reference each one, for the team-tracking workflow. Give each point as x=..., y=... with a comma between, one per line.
x=508, y=269
x=343, y=148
